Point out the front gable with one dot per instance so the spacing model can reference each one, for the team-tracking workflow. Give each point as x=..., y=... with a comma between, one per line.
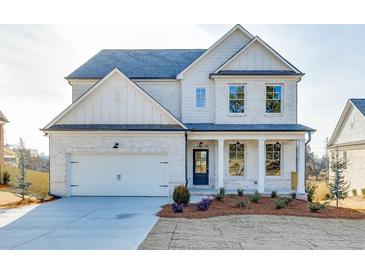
x=115, y=100
x=256, y=56
x=350, y=127
x=219, y=52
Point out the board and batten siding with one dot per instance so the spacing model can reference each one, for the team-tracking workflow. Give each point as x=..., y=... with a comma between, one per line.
x=256, y=57
x=353, y=129
x=117, y=101
x=167, y=93
x=198, y=77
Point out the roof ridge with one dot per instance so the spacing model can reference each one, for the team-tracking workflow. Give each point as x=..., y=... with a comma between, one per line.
x=154, y=49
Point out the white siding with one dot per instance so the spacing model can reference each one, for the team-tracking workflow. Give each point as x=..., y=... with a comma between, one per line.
x=256, y=57
x=255, y=102
x=167, y=93
x=198, y=76
x=80, y=86
x=116, y=101
x=248, y=181
x=355, y=171
x=353, y=133
x=61, y=146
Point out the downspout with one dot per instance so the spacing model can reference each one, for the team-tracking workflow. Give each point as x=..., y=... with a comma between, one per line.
x=186, y=159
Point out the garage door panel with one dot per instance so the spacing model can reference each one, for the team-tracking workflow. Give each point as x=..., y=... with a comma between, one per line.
x=118, y=175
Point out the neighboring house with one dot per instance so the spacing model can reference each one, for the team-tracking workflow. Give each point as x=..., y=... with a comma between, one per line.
x=144, y=121
x=3, y=121
x=10, y=156
x=348, y=140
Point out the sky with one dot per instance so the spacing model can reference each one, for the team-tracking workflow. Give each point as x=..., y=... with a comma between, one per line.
x=34, y=59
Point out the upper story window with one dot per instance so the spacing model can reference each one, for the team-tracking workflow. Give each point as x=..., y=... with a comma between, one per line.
x=236, y=159
x=237, y=99
x=201, y=98
x=273, y=159
x=273, y=98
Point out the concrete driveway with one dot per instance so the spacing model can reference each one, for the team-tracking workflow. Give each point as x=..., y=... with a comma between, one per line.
x=80, y=223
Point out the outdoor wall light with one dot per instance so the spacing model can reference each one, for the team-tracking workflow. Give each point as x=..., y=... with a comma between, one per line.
x=237, y=143
x=116, y=145
x=201, y=144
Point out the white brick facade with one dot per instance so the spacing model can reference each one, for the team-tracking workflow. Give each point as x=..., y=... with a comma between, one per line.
x=63, y=144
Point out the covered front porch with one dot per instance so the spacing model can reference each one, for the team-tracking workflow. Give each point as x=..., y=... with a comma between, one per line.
x=253, y=161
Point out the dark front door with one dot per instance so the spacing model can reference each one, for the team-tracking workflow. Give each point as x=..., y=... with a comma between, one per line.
x=200, y=167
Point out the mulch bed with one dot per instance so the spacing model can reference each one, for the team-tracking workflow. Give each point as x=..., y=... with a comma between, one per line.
x=264, y=207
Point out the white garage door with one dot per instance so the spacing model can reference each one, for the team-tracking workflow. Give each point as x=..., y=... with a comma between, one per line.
x=118, y=175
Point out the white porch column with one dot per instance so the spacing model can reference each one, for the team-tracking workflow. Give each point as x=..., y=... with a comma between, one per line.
x=261, y=166
x=220, y=163
x=301, y=167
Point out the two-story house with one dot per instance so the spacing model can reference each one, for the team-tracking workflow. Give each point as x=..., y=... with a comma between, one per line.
x=348, y=143
x=143, y=121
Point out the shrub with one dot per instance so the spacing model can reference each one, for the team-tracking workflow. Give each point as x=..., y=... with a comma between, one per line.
x=316, y=207
x=240, y=192
x=6, y=177
x=243, y=204
x=288, y=200
x=204, y=204
x=280, y=203
x=311, y=189
x=177, y=208
x=363, y=192
x=255, y=198
x=354, y=192
x=40, y=196
x=274, y=194
x=181, y=195
x=293, y=195
x=219, y=197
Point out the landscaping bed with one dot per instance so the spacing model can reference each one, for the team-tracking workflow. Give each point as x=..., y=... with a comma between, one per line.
x=265, y=206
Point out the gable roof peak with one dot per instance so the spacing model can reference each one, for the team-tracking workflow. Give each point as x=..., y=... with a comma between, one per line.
x=3, y=118
x=236, y=27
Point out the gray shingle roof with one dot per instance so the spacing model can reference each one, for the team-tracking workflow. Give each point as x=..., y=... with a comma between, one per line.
x=114, y=127
x=247, y=127
x=256, y=72
x=3, y=118
x=138, y=64
x=359, y=104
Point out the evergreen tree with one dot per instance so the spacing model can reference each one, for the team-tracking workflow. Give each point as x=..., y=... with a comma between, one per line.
x=22, y=187
x=337, y=184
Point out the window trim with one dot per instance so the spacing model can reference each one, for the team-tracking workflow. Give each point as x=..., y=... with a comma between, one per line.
x=245, y=99
x=281, y=113
x=281, y=160
x=195, y=96
x=244, y=160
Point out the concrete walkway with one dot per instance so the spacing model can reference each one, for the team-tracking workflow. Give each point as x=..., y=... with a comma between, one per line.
x=80, y=223
x=256, y=232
